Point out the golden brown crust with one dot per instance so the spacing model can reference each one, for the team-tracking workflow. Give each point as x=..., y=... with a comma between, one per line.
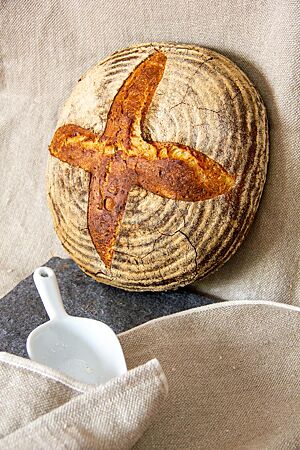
x=121, y=158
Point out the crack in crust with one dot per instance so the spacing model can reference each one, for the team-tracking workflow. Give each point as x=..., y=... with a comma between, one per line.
x=121, y=158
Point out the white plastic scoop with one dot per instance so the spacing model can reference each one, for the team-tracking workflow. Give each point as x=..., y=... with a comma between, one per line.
x=85, y=349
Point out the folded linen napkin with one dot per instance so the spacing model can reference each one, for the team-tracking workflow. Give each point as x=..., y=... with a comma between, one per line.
x=43, y=409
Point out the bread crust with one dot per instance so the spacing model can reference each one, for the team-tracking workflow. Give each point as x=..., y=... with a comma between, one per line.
x=115, y=166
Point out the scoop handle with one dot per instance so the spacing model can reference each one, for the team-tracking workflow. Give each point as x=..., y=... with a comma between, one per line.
x=46, y=284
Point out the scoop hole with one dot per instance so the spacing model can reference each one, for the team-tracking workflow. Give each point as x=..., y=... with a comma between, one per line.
x=44, y=273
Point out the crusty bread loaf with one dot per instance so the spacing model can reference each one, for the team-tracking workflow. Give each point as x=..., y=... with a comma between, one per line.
x=158, y=164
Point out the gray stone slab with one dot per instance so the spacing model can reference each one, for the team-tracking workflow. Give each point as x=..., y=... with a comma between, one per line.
x=21, y=310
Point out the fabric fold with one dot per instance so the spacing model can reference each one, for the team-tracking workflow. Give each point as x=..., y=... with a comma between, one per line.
x=46, y=410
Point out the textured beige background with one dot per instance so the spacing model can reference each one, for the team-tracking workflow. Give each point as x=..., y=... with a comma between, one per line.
x=44, y=49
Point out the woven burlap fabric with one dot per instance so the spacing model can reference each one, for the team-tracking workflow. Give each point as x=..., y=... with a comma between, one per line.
x=46, y=46
x=42, y=409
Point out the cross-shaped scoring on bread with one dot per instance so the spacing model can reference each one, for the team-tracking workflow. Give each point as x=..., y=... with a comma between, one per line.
x=121, y=158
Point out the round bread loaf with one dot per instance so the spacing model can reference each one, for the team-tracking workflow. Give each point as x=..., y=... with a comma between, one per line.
x=157, y=166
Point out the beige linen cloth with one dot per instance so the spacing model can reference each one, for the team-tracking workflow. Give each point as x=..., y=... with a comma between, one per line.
x=46, y=46
x=234, y=383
